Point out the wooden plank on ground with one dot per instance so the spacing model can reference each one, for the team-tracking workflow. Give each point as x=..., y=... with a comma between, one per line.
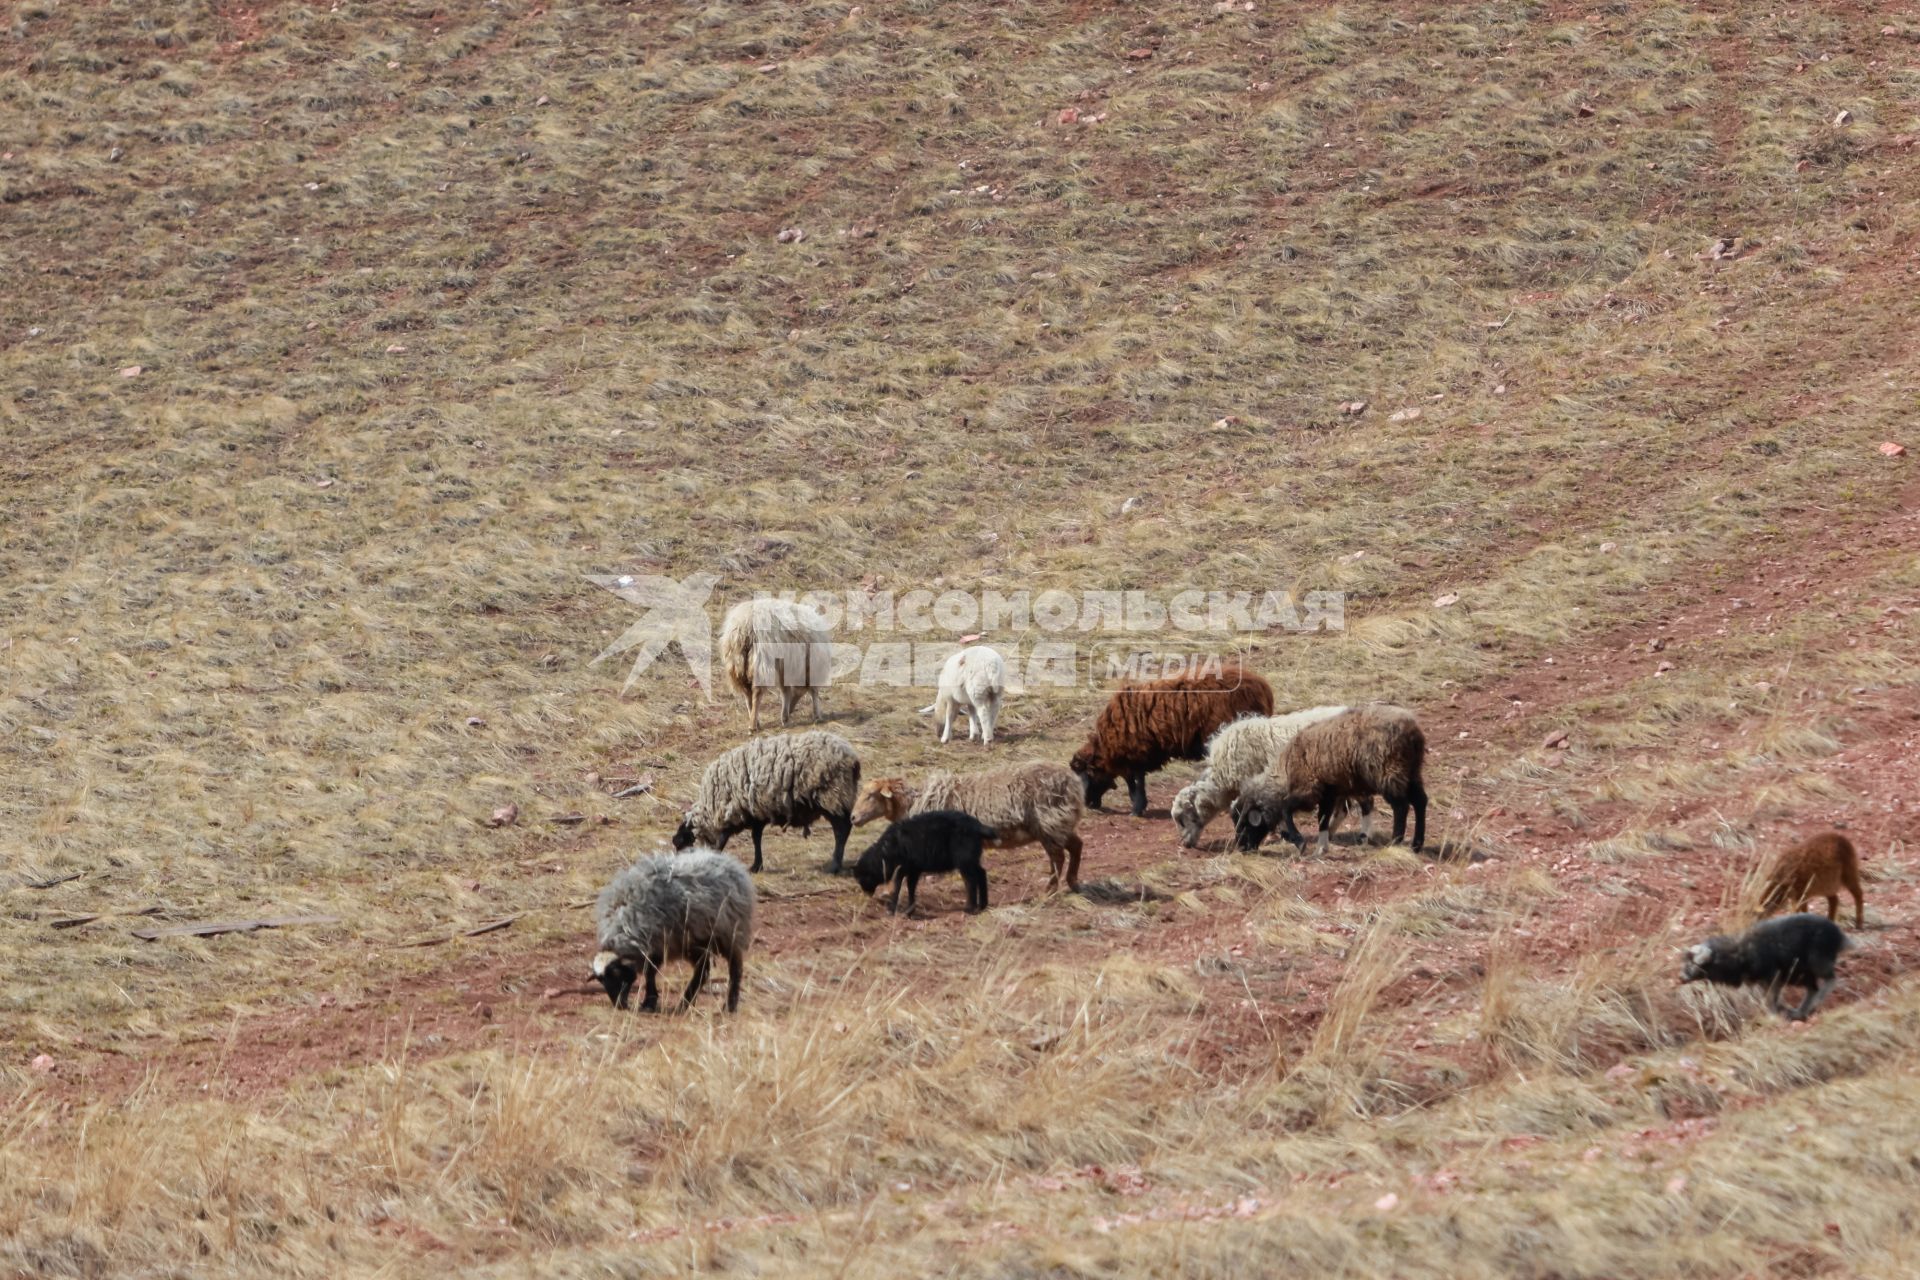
x=209, y=928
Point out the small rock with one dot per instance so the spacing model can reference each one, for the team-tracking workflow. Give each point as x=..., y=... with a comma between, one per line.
x=1555, y=739
x=1676, y=1184
x=476, y=722
x=43, y=1063
x=1353, y=407
x=767, y=68
x=1893, y=450
x=396, y=348
x=1656, y=644
x=1131, y=504
x=1139, y=55
x=1663, y=668
x=1608, y=548
x=1842, y=120
x=791, y=235
x=1231, y=420
x=1450, y=598
x=1500, y=389
x=1620, y=1071
x=323, y=484
x=1068, y=115
x=504, y=816
x=1387, y=1203
x=1260, y=86
x=1404, y=415
x=540, y=101
x=1584, y=109
x=132, y=371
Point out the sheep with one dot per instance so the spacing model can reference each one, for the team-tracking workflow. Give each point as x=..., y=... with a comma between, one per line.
x=1235, y=753
x=1815, y=868
x=1023, y=803
x=776, y=644
x=936, y=841
x=972, y=682
x=786, y=780
x=1372, y=750
x=1789, y=951
x=679, y=906
x=1147, y=723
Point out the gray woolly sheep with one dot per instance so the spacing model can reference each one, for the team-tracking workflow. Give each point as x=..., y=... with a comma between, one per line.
x=785, y=780
x=1023, y=803
x=1237, y=753
x=681, y=906
x=776, y=644
x=972, y=683
x=1373, y=750
x=1788, y=951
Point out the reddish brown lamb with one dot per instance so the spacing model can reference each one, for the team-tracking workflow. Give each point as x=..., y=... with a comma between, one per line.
x=1147, y=723
x=1816, y=868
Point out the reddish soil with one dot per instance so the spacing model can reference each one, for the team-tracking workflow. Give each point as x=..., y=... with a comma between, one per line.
x=497, y=989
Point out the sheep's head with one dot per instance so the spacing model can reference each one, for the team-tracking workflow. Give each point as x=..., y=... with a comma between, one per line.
x=870, y=871
x=880, y=798
x=1094, y=776
x=684, y=835
x=1186, y=816
x=1260, y=808
x=1705, y=961
x=616, y=976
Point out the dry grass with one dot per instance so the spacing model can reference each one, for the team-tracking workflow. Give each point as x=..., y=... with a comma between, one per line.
x=437, y=311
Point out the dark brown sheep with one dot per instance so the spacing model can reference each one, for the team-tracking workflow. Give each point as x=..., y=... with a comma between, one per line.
x=1147, y=723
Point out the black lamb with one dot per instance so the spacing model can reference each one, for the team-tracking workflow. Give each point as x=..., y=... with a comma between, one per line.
x=1789, y=951
x=927, y=843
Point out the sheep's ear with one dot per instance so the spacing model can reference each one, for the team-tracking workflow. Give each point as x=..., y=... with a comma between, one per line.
x=886, y=793
x=602, y=961
x=1701, y=953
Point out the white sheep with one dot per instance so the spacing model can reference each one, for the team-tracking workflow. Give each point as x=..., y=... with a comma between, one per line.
x=972, y=683
x=1237, y=753
x=776, y=644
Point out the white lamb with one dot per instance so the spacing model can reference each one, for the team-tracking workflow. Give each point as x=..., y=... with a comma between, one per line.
x=1237, y=753
x=972, y=683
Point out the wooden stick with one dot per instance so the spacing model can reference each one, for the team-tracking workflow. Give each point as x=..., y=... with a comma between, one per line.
x=209, y=928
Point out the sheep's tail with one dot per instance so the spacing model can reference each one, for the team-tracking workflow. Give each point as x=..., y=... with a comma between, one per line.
x=736, y=650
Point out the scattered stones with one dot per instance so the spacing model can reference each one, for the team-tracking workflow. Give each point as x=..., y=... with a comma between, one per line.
x=1404, y=415
x=1557, y=738
x=505, y=816
x=1140, y=54
x=1842, y=120
x=1892, y=450
x=1353, y=408
x=134, y=371
x=1450, y=598
x=791, y=235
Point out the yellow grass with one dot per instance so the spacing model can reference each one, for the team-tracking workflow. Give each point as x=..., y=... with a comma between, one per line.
x=437, y=311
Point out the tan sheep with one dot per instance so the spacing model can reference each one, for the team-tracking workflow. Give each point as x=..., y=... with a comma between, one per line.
x=1023, y=803
x=776, y=644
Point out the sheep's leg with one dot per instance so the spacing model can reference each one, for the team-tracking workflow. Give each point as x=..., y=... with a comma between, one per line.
x=701, y=963
x=1859, y=902
x=651, y=1004
x=913, y=891
x=989, y=716
x=1419, y=798
x=976, y=889
x=1137, y=793
x=736, y=969
x=1327, y=806
x=814, y=693
x=1815, y=994
x=893, y=903
x=788, y=699
x=1400, y=807
x=842, y=824
x=1057, y=858
x=1774, y=1001
x=1288, y=829
x=758, y=827
x=753, y=708
x=946, y=720
x=1366, y=819
x=1073, y=861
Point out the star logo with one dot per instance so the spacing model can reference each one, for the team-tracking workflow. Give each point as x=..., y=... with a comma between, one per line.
x=677, y=615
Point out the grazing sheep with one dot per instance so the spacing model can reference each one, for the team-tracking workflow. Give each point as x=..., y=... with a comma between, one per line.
x=927, y=843
x=1147, y=723
x=972, y=683
x=681, y=906
x=786, y=780
x=1790, y=951
x=1023, y=803
x=776, y=644
x=1372, y=750
x=1816, y=868
x=1236, y=753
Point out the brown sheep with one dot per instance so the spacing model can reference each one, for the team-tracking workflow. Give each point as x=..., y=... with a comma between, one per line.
x=1373, y=750
x=1023, y=803
x=1815, y=868
x=1147, y=723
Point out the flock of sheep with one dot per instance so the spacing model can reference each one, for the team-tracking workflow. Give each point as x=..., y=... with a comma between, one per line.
x=1261, y=769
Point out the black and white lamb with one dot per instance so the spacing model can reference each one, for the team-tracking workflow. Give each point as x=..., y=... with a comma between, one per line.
x=1788, y=951
x=679, y=906
x=927, y=843
x=785, y=780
